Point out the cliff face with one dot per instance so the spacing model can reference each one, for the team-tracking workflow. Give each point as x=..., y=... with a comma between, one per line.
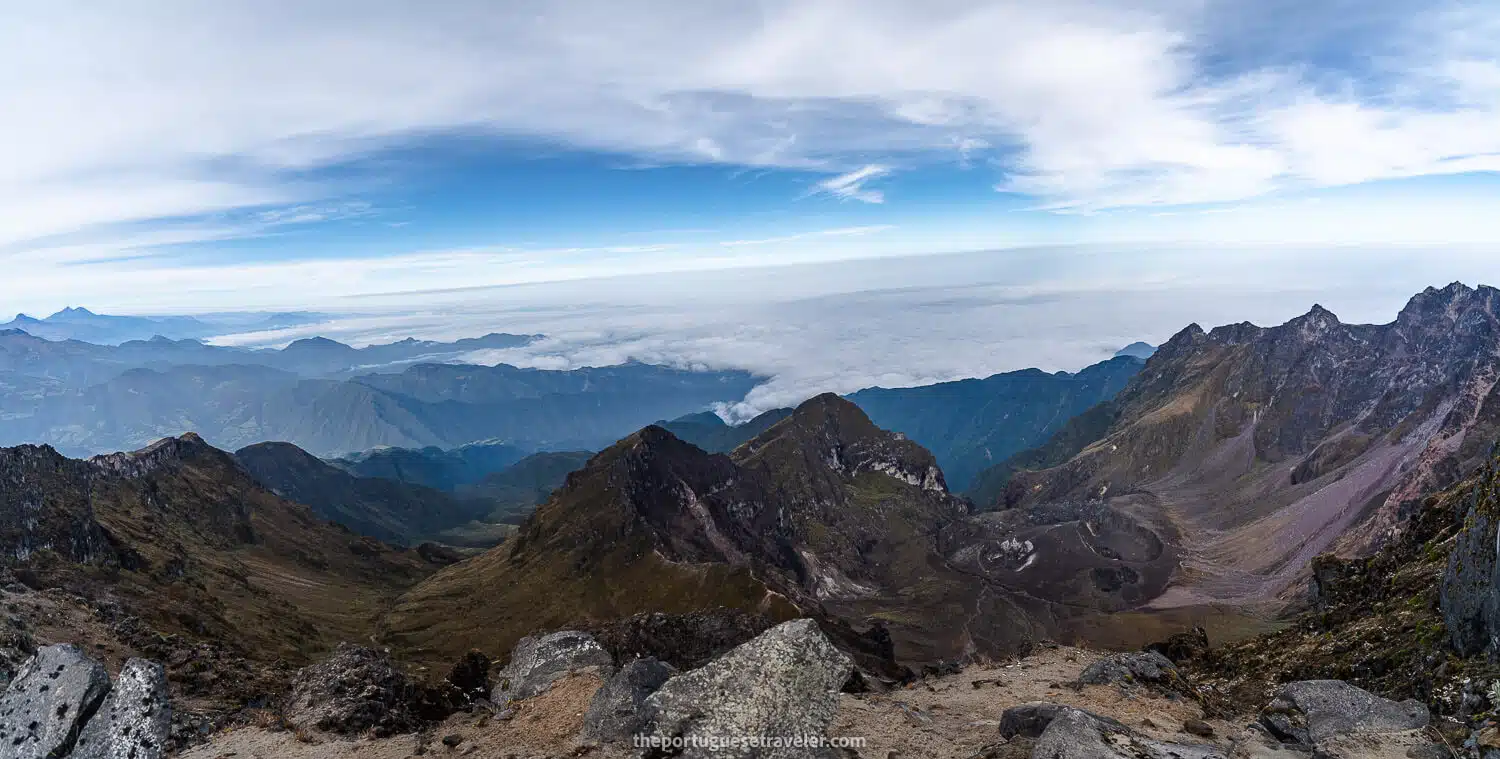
x=180, y=537
x=1263, y=447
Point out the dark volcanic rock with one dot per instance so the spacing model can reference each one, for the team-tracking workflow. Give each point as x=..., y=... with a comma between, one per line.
x=134, y=721
x=1470, y=595
x=1140, y=668
x=784, y=682
x=353, y=691
x=1313, y=711
x=470, y=675
x=1030, y=720
x=1183, y=647
x=47, y=704
x=1077, y=734
x=617, y=711
x=537, y=663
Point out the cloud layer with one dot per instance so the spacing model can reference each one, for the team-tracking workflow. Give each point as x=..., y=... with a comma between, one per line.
x=908, y=321
x=169, y=109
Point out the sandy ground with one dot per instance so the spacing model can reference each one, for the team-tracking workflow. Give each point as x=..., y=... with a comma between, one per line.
x=957, y=715
x=950, y=717
x=542, y=727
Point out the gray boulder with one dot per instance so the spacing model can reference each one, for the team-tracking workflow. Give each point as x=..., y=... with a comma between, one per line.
x=356, y=690
x=47, y=703
x=1313, y=711
x=785, y=682
x=1077, y=734
x=135, y=719
x=1031, y=720
x=537, y=663
x=1137, y=668
x=617, y=711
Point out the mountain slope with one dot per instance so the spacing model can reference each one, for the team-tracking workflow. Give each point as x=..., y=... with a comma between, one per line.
x=972, y=424
x=514, y=492
x=427, y=405
x=707, y=431
x=823, y=514
x=433, y=467
x=1264, y=447
x=395, y=512
x=178, y=548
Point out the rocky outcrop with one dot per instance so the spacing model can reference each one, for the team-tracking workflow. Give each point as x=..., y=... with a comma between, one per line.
x=617, y=711
x=1311, y=712
x=354, y=691
x=1077, y=734
x=1029, y=720
x=470, y=676
x=61, y=704
x=134, y=721
x=1136, y=668
x=537, y=663
x=783, y=683
x=1470, y=597
x=1183, y=647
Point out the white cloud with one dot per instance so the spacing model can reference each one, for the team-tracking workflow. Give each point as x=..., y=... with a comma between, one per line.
x=851, y=186
x=120, y=114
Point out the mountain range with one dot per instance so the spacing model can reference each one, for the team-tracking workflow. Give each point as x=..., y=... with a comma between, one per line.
x=973, y=424
x=1265, y=447
x=74, y=323
x=1202, y=493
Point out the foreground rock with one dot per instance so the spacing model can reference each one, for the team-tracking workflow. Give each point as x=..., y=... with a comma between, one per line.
x=1076, y=734
x=61, y=704
x=1138, y=668
x=354, y=691
x=134, y=721
x=618, y=709
x=537, y=663
x=783, y=683
x=47, y=703
x=1312, y=712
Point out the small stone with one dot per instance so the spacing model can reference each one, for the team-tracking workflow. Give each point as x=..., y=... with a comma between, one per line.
x=1199, y=728
x=452, y=740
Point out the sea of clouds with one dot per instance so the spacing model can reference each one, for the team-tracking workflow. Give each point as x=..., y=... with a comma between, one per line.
x=903, y=321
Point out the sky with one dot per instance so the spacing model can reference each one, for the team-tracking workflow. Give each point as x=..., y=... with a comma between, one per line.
x=188, y=156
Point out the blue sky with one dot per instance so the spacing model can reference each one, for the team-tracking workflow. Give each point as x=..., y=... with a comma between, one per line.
x=201, y=156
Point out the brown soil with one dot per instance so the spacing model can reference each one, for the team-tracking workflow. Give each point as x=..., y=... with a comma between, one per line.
x=542, y=726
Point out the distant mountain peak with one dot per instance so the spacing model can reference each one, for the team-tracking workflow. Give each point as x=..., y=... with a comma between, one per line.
x=316, y=344
x=72, y=311
x=1138, y=349
x=165, y=452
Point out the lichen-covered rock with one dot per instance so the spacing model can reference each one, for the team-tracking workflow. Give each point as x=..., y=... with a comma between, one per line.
x=537, y=663
x=1138, y=668
x=134, y=721
x=1313, y=711
x=48, y=702
x=617, y=711
x=1077, y=734
x=783, y=683
x=353, y=691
